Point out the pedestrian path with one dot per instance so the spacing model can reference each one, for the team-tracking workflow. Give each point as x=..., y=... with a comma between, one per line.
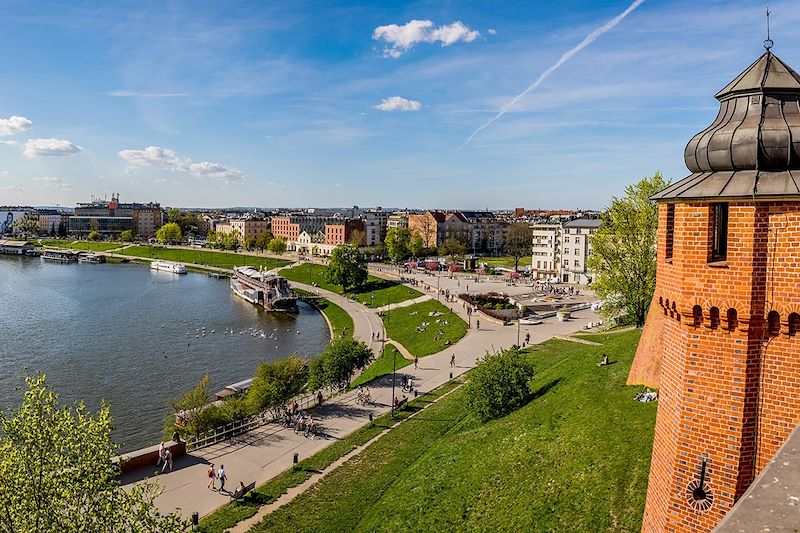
x=404, y=303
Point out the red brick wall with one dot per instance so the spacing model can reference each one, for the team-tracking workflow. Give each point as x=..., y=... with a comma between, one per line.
x=729, y=394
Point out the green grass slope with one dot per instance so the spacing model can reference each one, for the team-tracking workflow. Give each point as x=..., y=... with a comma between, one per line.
x=401, y=325
x=204, y=257
x=576, y=458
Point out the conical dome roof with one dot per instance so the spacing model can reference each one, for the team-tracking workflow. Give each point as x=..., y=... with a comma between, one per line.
x=753, y=146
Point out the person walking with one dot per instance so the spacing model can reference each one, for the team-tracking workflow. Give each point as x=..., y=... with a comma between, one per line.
x=160, y=454
x=319, y=397
x=222, y=477
x=212, y=476
x=478, y=323
x=416, y=362
x=167, y=461
x=453, y=361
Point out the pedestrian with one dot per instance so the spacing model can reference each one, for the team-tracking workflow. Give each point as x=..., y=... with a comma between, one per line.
x=416, y=362
x=319, y=397
x=160, y=454
x=477, y=323
x=212, y=476
x=453, y=361
x=222, y=477
x=167, y=461
x=294, y=407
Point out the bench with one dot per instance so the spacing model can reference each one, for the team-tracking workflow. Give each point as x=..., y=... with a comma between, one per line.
x=238, y=493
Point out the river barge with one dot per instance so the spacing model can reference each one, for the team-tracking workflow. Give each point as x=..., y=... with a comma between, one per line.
x=267, y=289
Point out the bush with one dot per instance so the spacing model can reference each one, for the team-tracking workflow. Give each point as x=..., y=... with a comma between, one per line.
x=499, y=384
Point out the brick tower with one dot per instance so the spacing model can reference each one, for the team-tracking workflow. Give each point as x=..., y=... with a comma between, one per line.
x=728, y=291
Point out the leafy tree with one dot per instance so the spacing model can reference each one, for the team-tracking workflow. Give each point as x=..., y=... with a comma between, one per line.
x=250, y=243
x=519, y=242
x=169, y=232
x=230, y=241
x=56, y=472
x=358, y=237
x=397, y=243
x=262, y=242
x=417, y=245
x=347, y=267
x=193, y=409
x=623, y=257
x=94, y=235
x=452, y=248
x=277, y=246
x=126, y=236
x=336, y=365
x=499, y=384
x=25, y=226
x=276, y=382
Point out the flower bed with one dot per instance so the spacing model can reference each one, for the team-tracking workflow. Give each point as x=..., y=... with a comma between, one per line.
x=495, y=304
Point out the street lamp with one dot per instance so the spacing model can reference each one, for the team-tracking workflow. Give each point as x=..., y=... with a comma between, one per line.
x=519, y=315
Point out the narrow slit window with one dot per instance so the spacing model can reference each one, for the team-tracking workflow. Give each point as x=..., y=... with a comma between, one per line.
x=733, y=320
x=719, y=232
x=697, y=316
x=714, y=315
x=773, y=323
x=670, y=233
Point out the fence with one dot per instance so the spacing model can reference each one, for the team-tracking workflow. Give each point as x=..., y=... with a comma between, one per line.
x=244, y=425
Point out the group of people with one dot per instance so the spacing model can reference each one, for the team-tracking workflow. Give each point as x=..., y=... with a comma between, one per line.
x=305, y=425
x=215, y=476
x=363, y=395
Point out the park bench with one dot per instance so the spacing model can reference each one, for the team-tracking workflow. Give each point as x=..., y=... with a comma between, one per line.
x=238, y=493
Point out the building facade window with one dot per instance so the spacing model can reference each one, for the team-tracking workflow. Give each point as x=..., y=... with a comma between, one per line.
x=670, y=232
x=719, y=232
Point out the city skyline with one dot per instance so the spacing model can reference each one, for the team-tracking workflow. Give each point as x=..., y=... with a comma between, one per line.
x=326, y=105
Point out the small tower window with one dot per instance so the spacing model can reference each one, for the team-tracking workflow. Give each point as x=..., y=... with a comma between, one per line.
x=697, y=316
x=794, y=324
x=719, y=232
x=670, y=231
x=773, y=323
x=714, y=314
x=733, y=319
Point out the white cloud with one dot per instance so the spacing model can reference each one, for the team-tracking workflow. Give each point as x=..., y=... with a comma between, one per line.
x=402, y=38
x=398, y=103
x=12, y=143
x=155, y=156
x=13, y=125
x=50, y=148
x=12, y=188
x=492, y=31
x=146, y=95
x=52, y=181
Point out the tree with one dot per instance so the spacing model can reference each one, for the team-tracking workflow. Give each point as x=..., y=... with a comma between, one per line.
x=94, y=235
x=262, y=242
x=126, y=236
x=623, y=257
x=276, y=382
x=169, y=232
x=427, y=228
x=193, y=410
x=452, y=248
x=335, y=366
x=250, y=243
x=519, y=241
x=347, y=267
x=277, y=246
x=397, y=243
x=499, y=384
x=56, y=472
x=230, y=241
x=416, y=246
x=357, y=237
x=25, y=226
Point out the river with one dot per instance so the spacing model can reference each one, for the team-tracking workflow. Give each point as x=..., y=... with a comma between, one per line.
x=133, y=337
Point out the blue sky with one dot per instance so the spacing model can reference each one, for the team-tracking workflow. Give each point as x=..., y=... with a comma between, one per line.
x=291, y=103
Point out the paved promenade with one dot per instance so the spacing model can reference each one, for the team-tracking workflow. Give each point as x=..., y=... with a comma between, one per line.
x=264, y=453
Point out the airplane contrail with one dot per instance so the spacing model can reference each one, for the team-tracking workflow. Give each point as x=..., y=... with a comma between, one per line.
x=589, y=39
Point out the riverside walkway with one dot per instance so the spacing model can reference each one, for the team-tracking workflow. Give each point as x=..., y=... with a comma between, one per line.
x=262, y=454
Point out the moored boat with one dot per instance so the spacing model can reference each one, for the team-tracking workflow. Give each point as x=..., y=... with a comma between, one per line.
x=62, y=256
x=166, y=266
x=92, y=258
x=263, y=288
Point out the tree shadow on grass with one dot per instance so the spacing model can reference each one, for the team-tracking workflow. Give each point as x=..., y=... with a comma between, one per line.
x=376, y=285
x=541, y=391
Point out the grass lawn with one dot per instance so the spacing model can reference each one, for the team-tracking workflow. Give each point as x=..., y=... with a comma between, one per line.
x=81, y=245
x=204, y=257
x=342, y=322
x=230, y=514
x=382, y=366
x=401, y=325
x=575, y=458
x=506, y=261
x=386, y=291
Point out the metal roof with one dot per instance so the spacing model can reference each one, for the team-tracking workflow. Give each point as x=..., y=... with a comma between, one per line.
x=752, y=149
x=583, y=223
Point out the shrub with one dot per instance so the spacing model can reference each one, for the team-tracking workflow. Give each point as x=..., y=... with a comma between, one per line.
x=499, y=384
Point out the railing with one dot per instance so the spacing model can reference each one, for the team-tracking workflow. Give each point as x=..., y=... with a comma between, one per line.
x=244, y=425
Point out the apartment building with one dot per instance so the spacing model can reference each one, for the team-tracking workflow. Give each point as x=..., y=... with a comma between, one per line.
x=546, y=252
x=575, y=248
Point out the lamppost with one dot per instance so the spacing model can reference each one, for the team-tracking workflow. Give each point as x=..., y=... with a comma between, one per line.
x=519, y=315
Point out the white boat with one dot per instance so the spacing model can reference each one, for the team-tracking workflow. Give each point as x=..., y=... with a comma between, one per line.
x=263, y=288
x=530, y=321
x=244, y=292
x=92, y=258
x=166, y=266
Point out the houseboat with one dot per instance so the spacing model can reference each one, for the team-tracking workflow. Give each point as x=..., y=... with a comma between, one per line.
x=267, y=289
x=166, y=266
x=62, y=256
x=92, y=258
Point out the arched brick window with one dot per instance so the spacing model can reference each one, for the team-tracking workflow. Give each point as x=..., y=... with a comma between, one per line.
x=794, y=324
x=714, y=312
x=697, y=316
x=773, y=323
x=733, y=319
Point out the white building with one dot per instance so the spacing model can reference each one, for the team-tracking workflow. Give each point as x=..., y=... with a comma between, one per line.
x=375, y=222
x=398, y=219
x=575, y=247
x=546, y=254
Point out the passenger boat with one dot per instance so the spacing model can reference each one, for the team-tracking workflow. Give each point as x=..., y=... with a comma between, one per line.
x=61, y=256
x=267, y=289
x=166, y=266
x=92, y=258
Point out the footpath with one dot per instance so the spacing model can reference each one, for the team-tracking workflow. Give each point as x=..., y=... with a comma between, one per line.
x=262, y=454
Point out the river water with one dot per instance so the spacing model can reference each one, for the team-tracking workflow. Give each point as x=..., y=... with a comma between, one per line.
x=133, y=336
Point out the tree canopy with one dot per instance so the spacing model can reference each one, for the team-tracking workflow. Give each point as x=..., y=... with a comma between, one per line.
x=452, y=248
x=336, y=365
x=499, y=384
x=169, y=232
x=94, y=235
x=347, y=267
x=417, y=245
x=276, y=382
x=56, y=472
x=277, y=246
x=623, y=257
x=262, y=242
x=519, y=242
x=126, y=236
x=397, y=242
